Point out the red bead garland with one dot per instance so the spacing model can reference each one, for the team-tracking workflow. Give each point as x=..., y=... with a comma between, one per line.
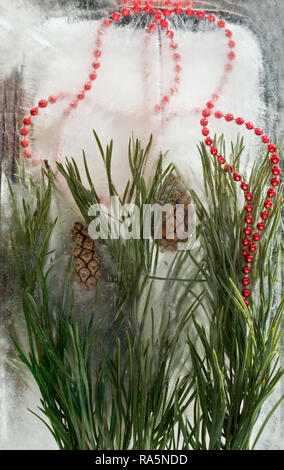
x=248, y=195
x=159, y=18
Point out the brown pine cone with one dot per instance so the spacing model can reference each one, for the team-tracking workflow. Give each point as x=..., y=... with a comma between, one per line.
x=87, y=263
x=173, y=192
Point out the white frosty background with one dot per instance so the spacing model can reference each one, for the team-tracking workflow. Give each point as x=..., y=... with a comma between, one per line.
x=55, y=56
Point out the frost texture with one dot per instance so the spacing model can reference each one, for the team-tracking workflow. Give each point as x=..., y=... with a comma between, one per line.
x=55, y=55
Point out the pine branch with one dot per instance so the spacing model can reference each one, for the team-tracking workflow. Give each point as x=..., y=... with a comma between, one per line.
x=118, y=390
x=238, y=367
x=132, y=257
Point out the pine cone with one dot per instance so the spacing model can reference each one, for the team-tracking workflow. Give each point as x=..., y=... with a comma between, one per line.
x=87, y=263
x=173, y=192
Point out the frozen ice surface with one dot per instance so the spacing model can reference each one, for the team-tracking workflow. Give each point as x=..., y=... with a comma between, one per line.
x=121, y=103
x=122, y=99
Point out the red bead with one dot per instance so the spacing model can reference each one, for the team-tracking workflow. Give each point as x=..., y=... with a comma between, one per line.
x=244, y=186
x=176, y=56
x=205, y=131
x=189, y=12
x=246, y=270
x=116, y=16
x=249, y=258
x=219, y=114
x=213, y=151
x=231, y=55
x=52, y=99
x=267, y=204
x=165, y=99
x=249, y=126
x=240, y=121
x=246, y=241
x=157, y=14
x=221, y=160
x=244, y=252
x=271, y=148
x=265, y=139
x=204, y=122
x=88, y=85
x=231, y=44
x=96, y=65
x=167, y=12
x=256, y=237
x=25, y=143
x=27, y=121
x=246, y=302
x=34, y=111
x=221, y=24
x=81, y=95
x=148, y=9
x=258, y=131
x=170, y=34
x=249, y=207
x=93, y=75
x=24, y=131
x=237, y=177
x=211, y=17
x=252, y=247
x=271, y=192
x=248, y=196
x=275, y=181
x=177, y=68
x=229, y=117
x=245, y=281
x=174, y=45
x=206, y=112
x=248, y=219
x=261, y=226
x=164, y=23
x=229, y=168
x=107, y=22
x=247, y=231
x=43, y=103
x=208, y=141
x=276, y=171
x=74, y=104
x=274, y=159
x=136, y=8
x=97, y=53
x=28, y=153
x=229, y=67
x=229, y=33
x=151, y=28
x=36, y=161
x=210, y=104
x=125, y=11
x=246, y=292
x=200, y=14
x=264, y=215
x=178, y=10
